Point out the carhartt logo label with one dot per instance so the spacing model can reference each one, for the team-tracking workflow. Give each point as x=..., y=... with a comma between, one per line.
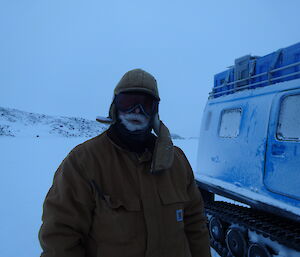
x=179, y=215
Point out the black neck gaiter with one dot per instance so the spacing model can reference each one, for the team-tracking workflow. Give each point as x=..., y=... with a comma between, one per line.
x=134, y=141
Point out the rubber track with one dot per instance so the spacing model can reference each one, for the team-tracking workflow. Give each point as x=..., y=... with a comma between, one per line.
x=285, y=232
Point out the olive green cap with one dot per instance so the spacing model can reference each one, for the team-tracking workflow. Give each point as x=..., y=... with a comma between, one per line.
x=137, y=80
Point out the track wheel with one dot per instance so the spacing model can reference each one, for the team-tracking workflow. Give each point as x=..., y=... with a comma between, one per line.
x=216, y=229
x=236, y=243
x=257, y=250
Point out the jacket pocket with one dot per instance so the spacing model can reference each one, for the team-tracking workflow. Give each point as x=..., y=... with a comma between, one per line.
x=173, y=203
x=115, y=219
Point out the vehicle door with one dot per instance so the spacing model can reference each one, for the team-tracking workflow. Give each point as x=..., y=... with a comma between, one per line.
x=282, y=166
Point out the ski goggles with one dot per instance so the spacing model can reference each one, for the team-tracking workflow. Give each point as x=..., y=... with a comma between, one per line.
x=127, y=102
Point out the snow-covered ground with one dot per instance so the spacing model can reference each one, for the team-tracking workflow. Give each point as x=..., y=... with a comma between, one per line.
x=27, y=167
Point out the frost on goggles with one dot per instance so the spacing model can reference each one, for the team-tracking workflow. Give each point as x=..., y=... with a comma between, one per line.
x=127, y=102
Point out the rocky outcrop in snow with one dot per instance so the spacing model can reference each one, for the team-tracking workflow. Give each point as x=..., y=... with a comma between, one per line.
x=19, y=123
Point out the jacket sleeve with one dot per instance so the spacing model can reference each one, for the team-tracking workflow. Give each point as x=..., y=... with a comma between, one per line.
x=67, y=211
x=195, y=222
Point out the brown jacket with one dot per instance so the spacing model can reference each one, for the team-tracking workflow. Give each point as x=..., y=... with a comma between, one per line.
x=105, y=203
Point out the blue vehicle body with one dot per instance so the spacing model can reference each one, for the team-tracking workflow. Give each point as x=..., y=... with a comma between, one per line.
x=249, y=146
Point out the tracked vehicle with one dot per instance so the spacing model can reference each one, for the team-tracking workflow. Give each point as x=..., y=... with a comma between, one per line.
x=249, y=152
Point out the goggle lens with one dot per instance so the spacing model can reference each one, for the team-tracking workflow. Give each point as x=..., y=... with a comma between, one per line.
x=126, y=101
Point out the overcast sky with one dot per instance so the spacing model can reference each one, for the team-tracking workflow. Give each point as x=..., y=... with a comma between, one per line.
x=64, y=57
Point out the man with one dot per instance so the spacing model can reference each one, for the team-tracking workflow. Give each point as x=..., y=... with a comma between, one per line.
x=126, y=192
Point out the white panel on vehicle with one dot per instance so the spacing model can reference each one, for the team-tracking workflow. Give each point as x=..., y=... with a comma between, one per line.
x=208, y=120
x=230, y=123
x=289, y=119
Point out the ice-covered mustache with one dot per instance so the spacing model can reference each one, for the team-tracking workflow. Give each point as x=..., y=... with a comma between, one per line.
x=134, y=121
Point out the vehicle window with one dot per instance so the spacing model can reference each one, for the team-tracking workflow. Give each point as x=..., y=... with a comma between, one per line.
x=230, y=123
x=289, y=118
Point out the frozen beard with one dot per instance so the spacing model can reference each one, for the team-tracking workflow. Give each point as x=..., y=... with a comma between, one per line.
x=134, y=121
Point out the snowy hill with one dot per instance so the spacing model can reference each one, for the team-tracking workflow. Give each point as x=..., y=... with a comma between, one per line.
x=20, y=123
x=15, y=123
